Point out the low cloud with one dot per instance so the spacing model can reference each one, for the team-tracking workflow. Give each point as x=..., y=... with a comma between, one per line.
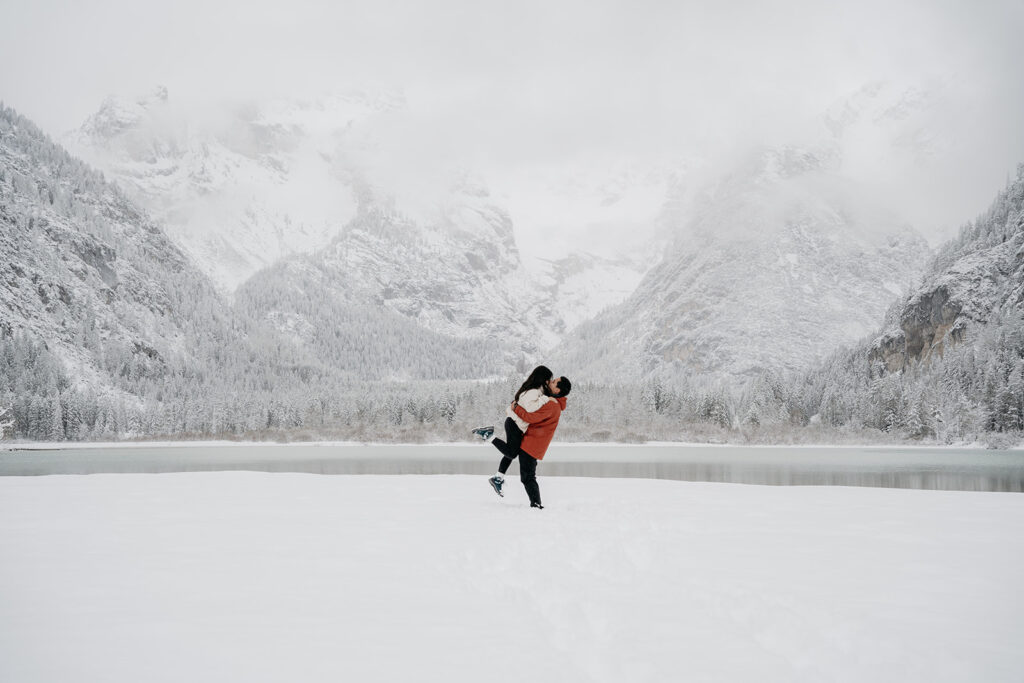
x=517, y=89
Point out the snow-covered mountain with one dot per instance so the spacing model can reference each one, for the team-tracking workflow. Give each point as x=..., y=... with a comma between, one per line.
x=83, y=268
x=287, y=180
x=948, y=362
x=590, y=234
x=972, y=278
x=451, y=279
x=456, y=272
x=238, y=189
x=785, y=256
x=104, y=321
x=566, y=292
x=777, y=264
x=103, y=317
x=772, y=265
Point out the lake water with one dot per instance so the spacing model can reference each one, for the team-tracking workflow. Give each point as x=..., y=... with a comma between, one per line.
x=914, y=468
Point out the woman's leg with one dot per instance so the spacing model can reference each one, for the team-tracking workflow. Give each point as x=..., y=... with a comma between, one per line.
x=510, y=447
x=528, y=475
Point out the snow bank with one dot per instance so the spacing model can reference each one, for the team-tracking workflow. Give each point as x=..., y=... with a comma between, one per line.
x=271, y=577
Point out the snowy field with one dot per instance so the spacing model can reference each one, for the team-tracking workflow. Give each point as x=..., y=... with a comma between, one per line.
x=244, y=576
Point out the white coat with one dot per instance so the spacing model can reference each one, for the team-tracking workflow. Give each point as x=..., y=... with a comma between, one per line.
x=530, y=401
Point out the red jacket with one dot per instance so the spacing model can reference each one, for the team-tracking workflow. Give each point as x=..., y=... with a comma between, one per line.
x=542, y=426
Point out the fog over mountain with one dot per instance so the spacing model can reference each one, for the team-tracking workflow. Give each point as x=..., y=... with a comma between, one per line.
x=572, y=92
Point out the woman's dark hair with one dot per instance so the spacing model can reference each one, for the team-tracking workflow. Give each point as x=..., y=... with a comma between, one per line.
x=564, y=386
x=537, y=379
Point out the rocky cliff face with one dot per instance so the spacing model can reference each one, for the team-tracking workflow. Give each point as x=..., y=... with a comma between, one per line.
x=980, y=272
x=925, y=327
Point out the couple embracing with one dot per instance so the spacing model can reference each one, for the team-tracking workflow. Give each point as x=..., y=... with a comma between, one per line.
x=529, y=427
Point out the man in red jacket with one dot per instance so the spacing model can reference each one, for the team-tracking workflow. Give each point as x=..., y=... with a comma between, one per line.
x=543, y=423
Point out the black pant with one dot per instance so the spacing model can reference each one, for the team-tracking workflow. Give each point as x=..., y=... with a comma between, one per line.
x=510, y=450
x=510, y=446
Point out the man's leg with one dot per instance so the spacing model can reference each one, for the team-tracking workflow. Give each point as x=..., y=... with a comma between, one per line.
x=528, y=475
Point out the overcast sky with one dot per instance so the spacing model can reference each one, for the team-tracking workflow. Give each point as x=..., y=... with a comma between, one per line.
x=524, y=84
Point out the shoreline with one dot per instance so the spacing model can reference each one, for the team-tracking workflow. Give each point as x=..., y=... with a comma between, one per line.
x=224, y=443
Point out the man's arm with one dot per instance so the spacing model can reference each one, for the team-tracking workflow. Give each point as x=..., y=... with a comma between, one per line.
x=544, y=412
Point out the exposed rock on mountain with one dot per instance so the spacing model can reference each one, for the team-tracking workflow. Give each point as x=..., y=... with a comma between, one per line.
x=949, y=363
x=972, y=277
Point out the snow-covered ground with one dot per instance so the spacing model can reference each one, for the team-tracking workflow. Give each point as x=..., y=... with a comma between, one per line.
x=242, y=576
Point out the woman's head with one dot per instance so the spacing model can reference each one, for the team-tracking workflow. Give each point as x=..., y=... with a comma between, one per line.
x=540, y=376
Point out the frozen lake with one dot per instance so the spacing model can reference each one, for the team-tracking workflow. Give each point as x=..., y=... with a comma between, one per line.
x=916, y=468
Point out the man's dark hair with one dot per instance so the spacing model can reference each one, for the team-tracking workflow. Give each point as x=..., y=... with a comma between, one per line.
x=564, y=386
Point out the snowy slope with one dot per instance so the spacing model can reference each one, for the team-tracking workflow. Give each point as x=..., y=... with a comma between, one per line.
x=588, y=234
x=775, y=266
x=570, y=290
x=785, y=256
x=83, y=270
x=454, y=271
x=105, y=324
x=245, y=187
x=260, y=577
x=330, y=179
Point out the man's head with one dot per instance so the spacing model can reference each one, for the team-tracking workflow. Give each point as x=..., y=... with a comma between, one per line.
x=559, y=386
